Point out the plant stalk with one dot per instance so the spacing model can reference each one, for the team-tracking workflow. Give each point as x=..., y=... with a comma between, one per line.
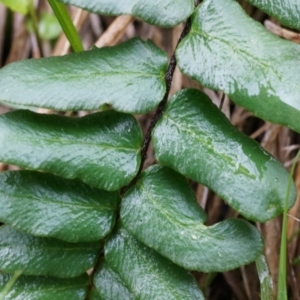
x=282, y=276
x=161, y=106
x=35, y=25
x=67, y=25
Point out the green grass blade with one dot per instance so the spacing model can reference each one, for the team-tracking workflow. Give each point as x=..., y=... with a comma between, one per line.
x=282, y=288
x=265, y=279
x=67, y=25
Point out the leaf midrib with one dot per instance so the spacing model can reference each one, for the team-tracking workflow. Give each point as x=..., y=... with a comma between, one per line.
x=15, y=139
x=93, y=75
x=50, y=200
x=38, y=247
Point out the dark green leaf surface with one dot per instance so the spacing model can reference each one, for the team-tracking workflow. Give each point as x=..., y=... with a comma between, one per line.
x=258, y=70
x=145, y=273
x=119, y=76
x=166, y=13
x=287, y=11
x=95, y=296
x=45, y=288
x=46, y=205
x=162, y=212
x=199, y=142
x=101, y=149
x=109, y=285
x=44, y=256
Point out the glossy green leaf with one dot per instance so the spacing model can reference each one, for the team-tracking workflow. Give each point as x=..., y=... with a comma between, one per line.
x=145, y=273
x=199, y=142
x=44, y=256
x=110, y=286
x=45, y=288
x=46, y=205
x=237, y=55
x=95, y=295
x=287, y=11
x=101, y=149
x=9, y=284
x=20, y=6
x=166, y=14
x=162, y=212
x=120, y=76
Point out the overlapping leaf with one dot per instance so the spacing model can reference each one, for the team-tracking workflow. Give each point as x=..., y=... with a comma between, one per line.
x=119, y=76
x=95, y=295
x=162, y=212
x=140, y=273
x=166, y=14
x=287, y=11
x=46, y=205
x=100, y=149
x=109, y=284
x=199, y=142
x=45, y=288
x=44, y=256
x=258, y=70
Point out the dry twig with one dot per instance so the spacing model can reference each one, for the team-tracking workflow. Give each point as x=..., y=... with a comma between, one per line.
x=114, y=32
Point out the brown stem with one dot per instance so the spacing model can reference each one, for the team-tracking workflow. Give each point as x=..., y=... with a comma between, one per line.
x=161, y=106
x=158, y=114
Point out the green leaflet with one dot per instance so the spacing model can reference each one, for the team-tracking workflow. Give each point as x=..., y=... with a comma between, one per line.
x=46, y=205
x=258, y=70
x=145, y=274
x=119, y=76
x=199, y=142
x=109, y=285
x=95, y=296
x=287, y=11
x=101, y=149
x=44, y=256
x=45, y=288
x=20, y=6
x=166, y=14
x=161, y=211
